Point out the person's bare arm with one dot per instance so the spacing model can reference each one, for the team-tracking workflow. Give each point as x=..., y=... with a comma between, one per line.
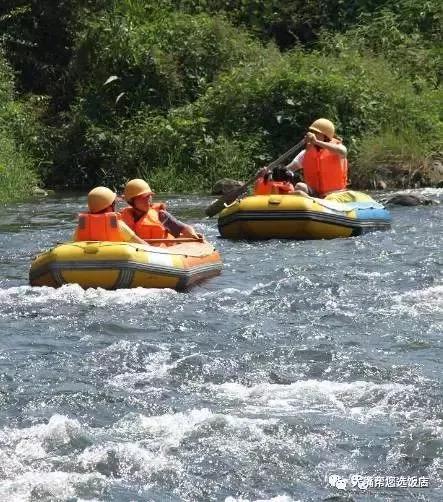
x=176, y=227
x=128, y=234
x=337, y=148
x=294, y=165
x=137, y=239
x=297, y=163
x=189, y=231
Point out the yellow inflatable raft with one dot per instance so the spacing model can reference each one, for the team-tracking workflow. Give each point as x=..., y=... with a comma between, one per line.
x=342, y=214
x=115, y=265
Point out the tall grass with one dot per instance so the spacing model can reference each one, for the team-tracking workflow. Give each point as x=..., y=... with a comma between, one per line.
x=17, y=127
x=17, y=177
x=400, y=159
x=210, y=161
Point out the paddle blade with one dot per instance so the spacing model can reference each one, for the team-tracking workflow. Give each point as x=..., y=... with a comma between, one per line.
x=215, y=208
x=221, y=203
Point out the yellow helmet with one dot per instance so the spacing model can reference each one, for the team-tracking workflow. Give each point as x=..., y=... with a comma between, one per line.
x=136, y=187
x=323, y=126
x=100, y=198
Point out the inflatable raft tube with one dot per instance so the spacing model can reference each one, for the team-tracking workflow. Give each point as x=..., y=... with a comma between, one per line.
x=343, y=214
x=116, y=265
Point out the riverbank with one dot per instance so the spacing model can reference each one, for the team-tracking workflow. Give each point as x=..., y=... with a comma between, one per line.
x=21, y=185
x=390, y=172
x=186, y=93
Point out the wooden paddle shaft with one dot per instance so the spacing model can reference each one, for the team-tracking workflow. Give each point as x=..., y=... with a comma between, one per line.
x=232, y=195
x=286, y=155
x=274, y=163
x=175, y=240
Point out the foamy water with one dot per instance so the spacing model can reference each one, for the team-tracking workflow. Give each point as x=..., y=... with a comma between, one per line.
x=303, y=360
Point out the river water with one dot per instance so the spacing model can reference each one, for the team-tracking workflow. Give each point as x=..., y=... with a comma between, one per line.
x=303, y=360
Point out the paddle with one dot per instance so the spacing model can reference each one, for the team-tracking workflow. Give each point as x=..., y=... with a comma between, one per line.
x=232, y=195
x=176, y=240
x=182, y=249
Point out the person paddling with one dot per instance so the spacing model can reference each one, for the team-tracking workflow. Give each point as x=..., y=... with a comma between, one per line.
x=324, y=162
x=279, y=181
x=148, y=220
x=102, y=222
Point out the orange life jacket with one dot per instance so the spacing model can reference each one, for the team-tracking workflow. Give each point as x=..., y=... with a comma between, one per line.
x=263, y=187
x=325, y=171
x=148, y=226
x=282, y=187
x=98, y=227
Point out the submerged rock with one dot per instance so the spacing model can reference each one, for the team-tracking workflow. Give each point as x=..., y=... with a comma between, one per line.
x=380, y=185
x=225, y=185
x=39, y=192
x=409, y=199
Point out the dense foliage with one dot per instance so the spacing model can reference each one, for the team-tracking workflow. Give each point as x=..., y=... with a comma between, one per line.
x=187, y=91
x=18, y=151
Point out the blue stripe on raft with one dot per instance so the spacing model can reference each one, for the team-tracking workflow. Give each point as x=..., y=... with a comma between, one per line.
x=359, y=205
x=373, y=214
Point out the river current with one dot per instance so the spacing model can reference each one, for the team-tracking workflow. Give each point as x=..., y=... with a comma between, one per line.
x=306, y=371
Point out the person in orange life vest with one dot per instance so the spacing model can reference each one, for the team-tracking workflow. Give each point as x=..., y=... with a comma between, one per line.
x=148, y=220
x=324, y=163
x=280, y=181
x=102, y=223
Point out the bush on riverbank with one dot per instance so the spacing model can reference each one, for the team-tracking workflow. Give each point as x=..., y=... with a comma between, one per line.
x=171, y=90
x=131, y=74
x=398, y=159
x=17, y=175
x=17, y=163
x=248, y=116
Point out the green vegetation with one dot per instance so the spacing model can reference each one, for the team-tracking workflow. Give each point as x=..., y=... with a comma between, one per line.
x=184, y=92
x=17, y=176
x=400, y=159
